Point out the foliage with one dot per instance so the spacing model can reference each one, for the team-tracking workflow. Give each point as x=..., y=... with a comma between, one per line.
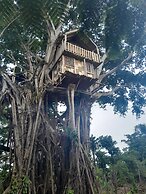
x=128, y=171
x=29, y=39
x=17, y=183
x=136, y=141
x=101, y=19
x=4, y=176
x=70, y=191
x=104, y=150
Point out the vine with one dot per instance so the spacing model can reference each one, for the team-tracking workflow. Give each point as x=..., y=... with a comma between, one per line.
x=20, y=185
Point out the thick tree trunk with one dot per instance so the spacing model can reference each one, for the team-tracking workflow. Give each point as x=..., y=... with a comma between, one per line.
x=50, y=152
x=54, y=161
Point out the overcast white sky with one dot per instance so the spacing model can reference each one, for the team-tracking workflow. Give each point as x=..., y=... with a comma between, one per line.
x=105, y=122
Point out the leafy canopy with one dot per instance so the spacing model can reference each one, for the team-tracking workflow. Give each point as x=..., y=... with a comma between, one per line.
x=116, y=26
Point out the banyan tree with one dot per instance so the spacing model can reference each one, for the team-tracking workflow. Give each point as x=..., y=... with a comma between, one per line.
x=45, y=65
x=51, y=149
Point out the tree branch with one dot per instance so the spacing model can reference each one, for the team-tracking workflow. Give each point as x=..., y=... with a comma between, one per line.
x=109, y=93
x=2, y=32
x=4, y=89
x=30, y=64
x=50, y=26
x=102, y=63
x=4, y=148
x=117, y=67
x=98, y=83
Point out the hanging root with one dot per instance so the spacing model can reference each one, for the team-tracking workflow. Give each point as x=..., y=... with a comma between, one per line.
x=48, y=160
x=64, y=167
x=82, y=177
x=59, y=165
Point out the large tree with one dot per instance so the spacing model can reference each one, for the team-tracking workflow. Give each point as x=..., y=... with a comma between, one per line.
x=48, y=156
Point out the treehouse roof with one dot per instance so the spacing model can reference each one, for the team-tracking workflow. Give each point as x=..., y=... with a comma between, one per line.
x=81, y=39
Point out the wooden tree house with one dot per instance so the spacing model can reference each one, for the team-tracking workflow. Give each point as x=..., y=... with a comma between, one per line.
x=76, y=62
x=73, y=71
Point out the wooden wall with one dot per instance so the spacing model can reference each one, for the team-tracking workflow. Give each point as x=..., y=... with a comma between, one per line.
x=75, y=66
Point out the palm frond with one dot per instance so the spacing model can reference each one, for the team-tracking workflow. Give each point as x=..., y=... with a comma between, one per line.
x=33, y=14
x=8, y=14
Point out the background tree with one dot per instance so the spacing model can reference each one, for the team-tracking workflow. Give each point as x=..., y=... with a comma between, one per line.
x=127, y=171
x=107, y=155
x=93, y=147
x=136, y=141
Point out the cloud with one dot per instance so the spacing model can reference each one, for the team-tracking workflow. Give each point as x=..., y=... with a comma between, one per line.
x=105, y=122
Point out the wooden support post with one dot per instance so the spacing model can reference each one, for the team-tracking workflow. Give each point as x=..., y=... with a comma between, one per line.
x=71, y=94
x=65, y=42
x=63, y=64
x=85, y=67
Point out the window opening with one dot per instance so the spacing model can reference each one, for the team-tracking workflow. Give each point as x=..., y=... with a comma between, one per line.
x=69, y=61
x=89, y=67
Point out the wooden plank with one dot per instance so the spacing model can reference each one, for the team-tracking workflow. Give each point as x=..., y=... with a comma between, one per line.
x=85, y=67
x=63, y=65
x=82, y=52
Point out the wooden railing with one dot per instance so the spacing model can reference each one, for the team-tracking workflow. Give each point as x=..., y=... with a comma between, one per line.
x=82, y=52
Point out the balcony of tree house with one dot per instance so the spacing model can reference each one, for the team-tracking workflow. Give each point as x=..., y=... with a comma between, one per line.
x=77, y=61
x=83, y=53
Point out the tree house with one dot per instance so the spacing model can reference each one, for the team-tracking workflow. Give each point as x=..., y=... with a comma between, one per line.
x=76, y=62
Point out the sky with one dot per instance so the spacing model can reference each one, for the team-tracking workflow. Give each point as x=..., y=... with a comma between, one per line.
x=105, y=122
